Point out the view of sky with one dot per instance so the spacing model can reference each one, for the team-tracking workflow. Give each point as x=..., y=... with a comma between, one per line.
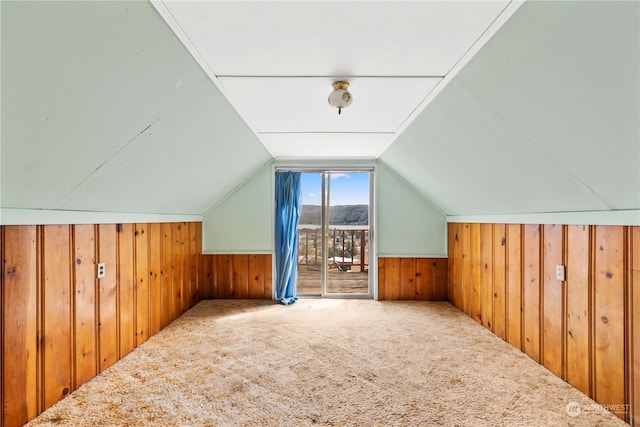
x=346, y=188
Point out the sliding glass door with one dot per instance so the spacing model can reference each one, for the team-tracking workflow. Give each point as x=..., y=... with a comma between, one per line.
x=334, y=233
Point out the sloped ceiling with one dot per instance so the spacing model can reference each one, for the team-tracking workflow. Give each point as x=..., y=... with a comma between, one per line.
x=104, y=109
x=544, y=118
x=276, y=62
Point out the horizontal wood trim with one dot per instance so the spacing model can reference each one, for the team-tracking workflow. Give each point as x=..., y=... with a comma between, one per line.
x=585, y=329
x=50, y=295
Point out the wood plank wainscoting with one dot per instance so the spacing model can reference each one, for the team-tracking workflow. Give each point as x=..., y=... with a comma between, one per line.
x=423, y=279
x=61, y=326
x=238, y=276
x=250, y=276
x=585, y=329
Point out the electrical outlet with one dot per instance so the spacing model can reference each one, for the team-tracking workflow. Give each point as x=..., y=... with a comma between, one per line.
x=560, y=272
x=101, y=270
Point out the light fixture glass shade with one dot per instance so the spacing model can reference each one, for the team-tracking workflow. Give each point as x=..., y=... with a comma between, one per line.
x=340, y=97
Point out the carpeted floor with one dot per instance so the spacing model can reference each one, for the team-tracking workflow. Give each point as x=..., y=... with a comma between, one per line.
x=326, y=362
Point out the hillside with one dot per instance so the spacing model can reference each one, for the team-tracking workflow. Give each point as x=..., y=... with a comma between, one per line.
x=339, y=215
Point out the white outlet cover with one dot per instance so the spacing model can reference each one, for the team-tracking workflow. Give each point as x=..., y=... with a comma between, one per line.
x=101, y=270
x=560, y=272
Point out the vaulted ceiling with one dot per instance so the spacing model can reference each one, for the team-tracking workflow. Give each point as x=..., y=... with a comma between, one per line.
x=166, y=107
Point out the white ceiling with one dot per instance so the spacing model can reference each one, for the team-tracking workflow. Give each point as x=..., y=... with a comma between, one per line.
x=275, y=62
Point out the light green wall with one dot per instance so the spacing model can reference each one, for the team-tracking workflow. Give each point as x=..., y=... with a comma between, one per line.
x=408, y=224
x=242, y=222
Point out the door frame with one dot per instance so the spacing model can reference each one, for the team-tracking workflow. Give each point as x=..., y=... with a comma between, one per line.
x=354, y=166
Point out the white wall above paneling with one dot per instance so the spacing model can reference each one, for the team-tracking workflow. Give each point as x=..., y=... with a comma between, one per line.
x=243, y=221
x=408, y=224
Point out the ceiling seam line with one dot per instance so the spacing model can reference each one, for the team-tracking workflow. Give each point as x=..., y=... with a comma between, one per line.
x=161, y=113
x=505, y=14
x=323, y=133
x=181, y=34
x=252, y=76
x=531, y=142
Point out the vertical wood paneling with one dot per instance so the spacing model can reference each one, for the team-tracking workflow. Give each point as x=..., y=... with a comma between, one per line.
x=514, y=285
x=126, y=282
x=553, y=299
x=1, y=323
x=186, y=267
x=407, y=278
x=476, y=273
x=382, y=278
x=186, y=287
x=142, y=283
x=609, y=349
x=256, y=276
x=240, y=270
x=422, y=279
x=224, y=268
x=85, y=304
x=155, y=267
x=426, y=288
x=635, y=359
x=56, y=313
x=176, y=252
x=634, y=296
x=268, y=276
x=467, y=287
x=166, y=276
x=19, y=321
x=585, y=329
x=531, y=291
x=108, y=311
x=59, y=324
x=392, y=278
x=456, y=270
x=438, y=279
x=578, y=313
x=236, y=276
x=499, y=280
x=486, y=277
x=194, y=257
x=451, y=235
x=207, y=277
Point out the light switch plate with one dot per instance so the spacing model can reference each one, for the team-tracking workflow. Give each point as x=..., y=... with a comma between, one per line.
x=560, y=272
x=101, y=270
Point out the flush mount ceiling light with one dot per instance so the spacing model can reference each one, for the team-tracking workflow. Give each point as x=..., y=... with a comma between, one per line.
x=340, y=97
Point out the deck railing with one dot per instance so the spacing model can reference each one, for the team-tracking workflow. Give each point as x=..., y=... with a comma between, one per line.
x=348, y=247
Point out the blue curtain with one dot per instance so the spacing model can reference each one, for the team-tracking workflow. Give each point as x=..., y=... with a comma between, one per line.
x=288, y=205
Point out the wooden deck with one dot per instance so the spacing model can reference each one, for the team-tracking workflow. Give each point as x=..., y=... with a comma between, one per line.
x=338, y=282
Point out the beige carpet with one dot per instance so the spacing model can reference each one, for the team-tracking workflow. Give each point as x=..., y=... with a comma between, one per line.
x=326, y=362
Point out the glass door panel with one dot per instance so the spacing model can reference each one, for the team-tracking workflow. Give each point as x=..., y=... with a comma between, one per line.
x=333, y=234
x=348, y=233
x=310, y=259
